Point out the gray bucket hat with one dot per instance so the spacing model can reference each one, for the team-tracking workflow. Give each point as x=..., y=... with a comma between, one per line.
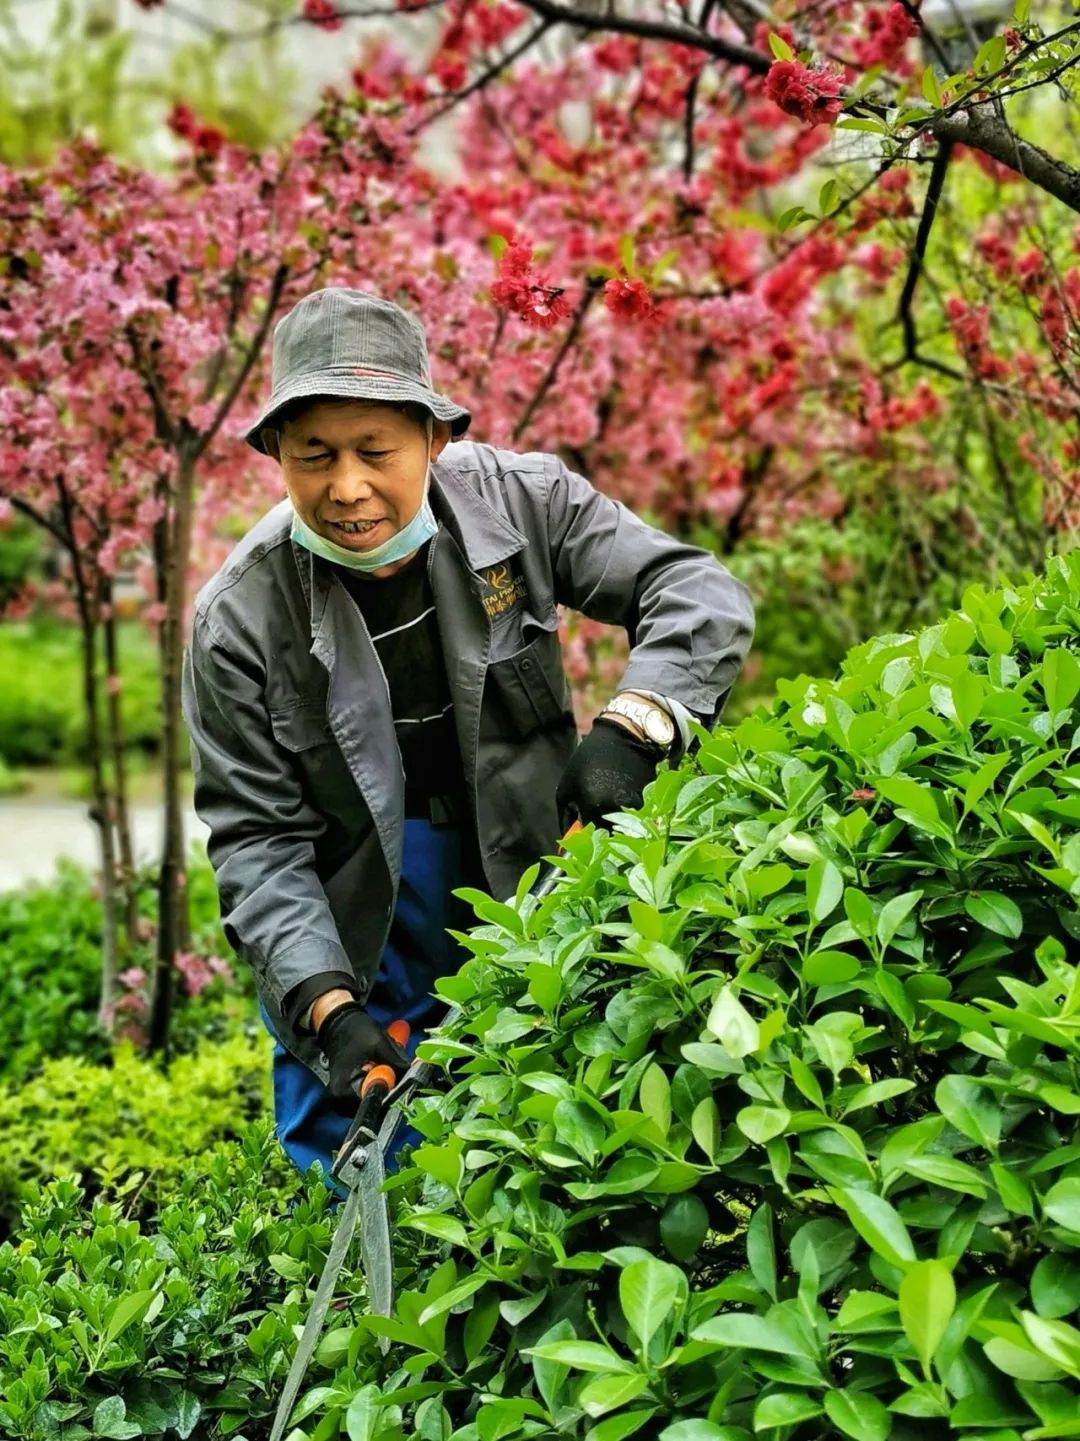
x=349, y=344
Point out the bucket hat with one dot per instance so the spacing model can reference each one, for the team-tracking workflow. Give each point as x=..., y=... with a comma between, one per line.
x=350, y=344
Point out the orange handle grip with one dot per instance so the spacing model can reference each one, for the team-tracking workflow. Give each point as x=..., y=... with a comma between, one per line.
x=378, y=1078
x=382, y=1078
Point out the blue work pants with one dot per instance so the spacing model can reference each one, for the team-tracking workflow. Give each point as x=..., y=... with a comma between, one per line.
x=310, y=1124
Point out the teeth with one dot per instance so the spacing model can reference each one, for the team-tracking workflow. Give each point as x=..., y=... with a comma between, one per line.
x=355, y=527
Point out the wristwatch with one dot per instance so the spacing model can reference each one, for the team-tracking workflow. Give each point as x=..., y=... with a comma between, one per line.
x=652, y=720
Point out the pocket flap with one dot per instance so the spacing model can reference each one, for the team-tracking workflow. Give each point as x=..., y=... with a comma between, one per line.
x=301, y=726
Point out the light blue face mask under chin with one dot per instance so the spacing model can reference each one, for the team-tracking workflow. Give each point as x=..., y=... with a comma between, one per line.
x=411, y=537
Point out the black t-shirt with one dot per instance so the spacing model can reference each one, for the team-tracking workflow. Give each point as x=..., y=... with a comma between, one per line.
x=399, y=612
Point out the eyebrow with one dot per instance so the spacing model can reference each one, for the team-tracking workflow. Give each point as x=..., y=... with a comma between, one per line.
x=375, y=432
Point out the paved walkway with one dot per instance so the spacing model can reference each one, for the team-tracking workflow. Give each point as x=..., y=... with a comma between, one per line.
x=34, y=834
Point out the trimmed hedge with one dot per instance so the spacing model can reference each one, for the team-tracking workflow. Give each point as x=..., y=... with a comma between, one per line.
x=131, y=1124
x=176, y=1326
x=765, y=1123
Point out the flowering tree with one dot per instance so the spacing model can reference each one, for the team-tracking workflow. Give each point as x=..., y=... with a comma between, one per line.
x=636, y=265
x=133, y=312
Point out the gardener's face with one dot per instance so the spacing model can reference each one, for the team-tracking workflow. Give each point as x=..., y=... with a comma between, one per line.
x=355, y=470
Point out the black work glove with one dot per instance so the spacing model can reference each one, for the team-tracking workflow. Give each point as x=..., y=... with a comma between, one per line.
x=608, y=772
x=351, y=1040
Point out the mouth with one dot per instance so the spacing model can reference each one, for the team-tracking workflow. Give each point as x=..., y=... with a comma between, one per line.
x=355, y=527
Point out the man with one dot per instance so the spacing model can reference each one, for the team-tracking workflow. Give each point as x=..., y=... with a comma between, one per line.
x=376, y=698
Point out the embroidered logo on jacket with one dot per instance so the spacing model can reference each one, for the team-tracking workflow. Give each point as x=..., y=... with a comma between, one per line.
x=504, y=590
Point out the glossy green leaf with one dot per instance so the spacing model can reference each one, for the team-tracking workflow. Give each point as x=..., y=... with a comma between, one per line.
x=971, y=1108
x=608, y=1392
x=927, y=1303
x=824, y=888
x=581, y=1356
x=1062, y=1203
x=733, y=1025
x=1055, y=1285
x=996, y=912
x=761, y=1249
x=761, y=1123
x=684, y=1224
x=878, y=1223
x=858, y=1414
x=648, y=1290
x=361, y=1417
x=785, y=1408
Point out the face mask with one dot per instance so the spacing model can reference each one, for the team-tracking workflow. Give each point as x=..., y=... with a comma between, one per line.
x=411, y=537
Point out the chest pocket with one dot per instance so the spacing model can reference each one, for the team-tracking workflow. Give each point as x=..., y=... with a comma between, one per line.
x=302, y=727
x=527, y=691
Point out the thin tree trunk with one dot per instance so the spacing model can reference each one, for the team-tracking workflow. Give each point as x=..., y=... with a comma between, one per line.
x=172, y=879
x=122, y=813
x=101, y=801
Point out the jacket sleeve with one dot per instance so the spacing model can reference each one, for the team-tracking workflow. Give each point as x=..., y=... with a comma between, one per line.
x=262, y=831
x=690, y=622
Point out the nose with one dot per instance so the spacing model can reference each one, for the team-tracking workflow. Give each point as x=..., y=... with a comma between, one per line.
x=350, y=480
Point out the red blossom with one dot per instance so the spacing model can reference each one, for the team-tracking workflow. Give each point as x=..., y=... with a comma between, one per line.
x=450, y=71
x=863, y=793
x=323, y=13
x=209, y=140
x=182, y=121
x=629, y=300
x=810, y=95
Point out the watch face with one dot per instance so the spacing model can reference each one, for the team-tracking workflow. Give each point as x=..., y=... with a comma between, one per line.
x=659, y=728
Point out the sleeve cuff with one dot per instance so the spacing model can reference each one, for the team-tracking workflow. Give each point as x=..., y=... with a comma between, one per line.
x=296, y=1007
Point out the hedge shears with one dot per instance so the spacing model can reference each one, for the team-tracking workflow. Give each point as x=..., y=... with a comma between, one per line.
x=361, y=1168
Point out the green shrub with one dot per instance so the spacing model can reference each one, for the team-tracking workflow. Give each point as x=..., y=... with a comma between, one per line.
x=42, y=721
x=20, y=555
x=115, y=1329
x=110, y=1122
x=50, y=970
x=765, y=1123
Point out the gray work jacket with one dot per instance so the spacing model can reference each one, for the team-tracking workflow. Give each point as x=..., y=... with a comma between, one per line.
x=297, y=769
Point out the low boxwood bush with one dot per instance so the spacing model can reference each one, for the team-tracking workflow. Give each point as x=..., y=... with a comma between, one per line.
x=131, y=1125
x=50, y=970
x=176, y=1327
x=765, y=1124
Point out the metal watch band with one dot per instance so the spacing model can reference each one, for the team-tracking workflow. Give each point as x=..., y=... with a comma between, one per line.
x=641, y=713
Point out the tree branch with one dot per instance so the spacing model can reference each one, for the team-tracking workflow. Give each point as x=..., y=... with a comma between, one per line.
x=918, y=250
x=696, y=39
x=163, y=422
x=592, y=290
x=980, y=129
x=281, y=274
x=39, y=518
x=485, y=78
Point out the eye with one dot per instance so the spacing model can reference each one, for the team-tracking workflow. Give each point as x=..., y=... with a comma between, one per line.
x=375, y=454
x=315, y=459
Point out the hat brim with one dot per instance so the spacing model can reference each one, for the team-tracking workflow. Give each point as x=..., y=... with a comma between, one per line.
x=331, y=386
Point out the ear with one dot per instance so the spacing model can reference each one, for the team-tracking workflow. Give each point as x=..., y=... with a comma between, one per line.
x=440, y=437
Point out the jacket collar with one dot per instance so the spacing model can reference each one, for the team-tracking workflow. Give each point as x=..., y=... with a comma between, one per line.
x=485, y=537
